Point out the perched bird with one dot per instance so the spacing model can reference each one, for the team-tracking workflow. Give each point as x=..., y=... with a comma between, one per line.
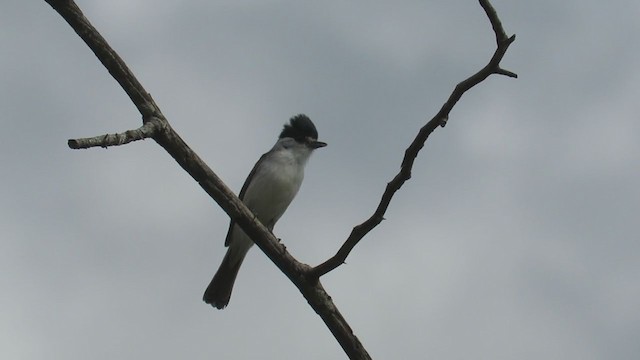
x=267, y=192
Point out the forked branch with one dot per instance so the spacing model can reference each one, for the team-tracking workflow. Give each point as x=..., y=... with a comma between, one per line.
x=156, y=126
x=440, y=119
x=166, y=137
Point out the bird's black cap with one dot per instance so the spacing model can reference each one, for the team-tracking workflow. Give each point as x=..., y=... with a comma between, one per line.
x=299, y=128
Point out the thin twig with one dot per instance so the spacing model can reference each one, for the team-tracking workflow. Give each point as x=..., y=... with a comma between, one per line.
x=496, y=24
x=440, y=119
x=148, y=130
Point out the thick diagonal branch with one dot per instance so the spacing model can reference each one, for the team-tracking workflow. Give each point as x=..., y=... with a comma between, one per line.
x=165, y=136
x=109, y=58
x=440, y=119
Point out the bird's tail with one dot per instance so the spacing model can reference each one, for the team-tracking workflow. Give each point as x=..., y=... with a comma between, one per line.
x=218, y=292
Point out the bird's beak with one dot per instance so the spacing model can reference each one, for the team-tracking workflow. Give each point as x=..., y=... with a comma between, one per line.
x=317, y=144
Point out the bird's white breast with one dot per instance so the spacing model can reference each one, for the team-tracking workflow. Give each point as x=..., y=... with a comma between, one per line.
x=275, y=184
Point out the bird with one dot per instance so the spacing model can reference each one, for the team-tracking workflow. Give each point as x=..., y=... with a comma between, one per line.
x=268, y=190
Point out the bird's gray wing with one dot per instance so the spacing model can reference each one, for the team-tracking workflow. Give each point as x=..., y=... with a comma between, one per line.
x=241, y=196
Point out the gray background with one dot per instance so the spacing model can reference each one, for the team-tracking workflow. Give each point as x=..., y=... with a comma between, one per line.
x=516, y=237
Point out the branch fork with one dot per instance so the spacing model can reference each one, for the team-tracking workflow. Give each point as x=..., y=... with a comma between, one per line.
x=305, y=277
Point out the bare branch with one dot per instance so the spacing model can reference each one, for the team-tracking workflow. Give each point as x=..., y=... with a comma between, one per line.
x=148, y=130
x=496, y=24
x=440, y=119
x=155, y=125
x=109, y=58
x=166, y=137
x=501, y=71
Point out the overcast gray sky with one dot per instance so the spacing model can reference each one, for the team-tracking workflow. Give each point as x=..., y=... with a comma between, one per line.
x=516, y=238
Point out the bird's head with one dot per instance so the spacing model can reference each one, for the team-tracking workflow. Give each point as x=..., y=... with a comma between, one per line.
x=301, y=129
